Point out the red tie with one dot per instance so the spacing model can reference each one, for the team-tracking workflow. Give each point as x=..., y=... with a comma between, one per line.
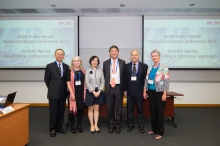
x=113, y=72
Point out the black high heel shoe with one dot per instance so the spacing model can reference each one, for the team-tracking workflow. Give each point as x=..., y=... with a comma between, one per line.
x=92, y=131
x=98, y=131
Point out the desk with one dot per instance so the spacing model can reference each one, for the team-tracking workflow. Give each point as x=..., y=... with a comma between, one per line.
x=169, y=109
x=15, y=126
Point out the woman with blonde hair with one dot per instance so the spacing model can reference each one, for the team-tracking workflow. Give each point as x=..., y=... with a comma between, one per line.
x=157, y=85
x=77, y=89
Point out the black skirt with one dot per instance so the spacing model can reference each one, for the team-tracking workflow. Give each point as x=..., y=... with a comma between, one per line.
x=91, y=99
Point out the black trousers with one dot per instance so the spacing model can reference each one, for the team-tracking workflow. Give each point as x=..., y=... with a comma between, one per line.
x=57, y=109
x=157, y=107
x=79, y=117
x=114, y=106
x=131, y=101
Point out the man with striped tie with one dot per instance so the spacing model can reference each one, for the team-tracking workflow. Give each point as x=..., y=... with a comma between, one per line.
x=55, y=78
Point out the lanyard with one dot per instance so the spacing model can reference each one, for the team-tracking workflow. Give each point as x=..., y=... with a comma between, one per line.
x=115, y=66
x=75, y=75
x=151, y=75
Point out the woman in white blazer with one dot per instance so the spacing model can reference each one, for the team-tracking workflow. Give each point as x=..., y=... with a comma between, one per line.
x=94, y=92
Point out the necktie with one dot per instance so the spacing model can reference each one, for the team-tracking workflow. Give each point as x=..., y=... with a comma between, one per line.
x=134, y=70
x=113, y=72
x=60, y=69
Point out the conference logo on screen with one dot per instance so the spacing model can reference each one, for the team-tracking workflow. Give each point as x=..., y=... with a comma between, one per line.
x=212, y=23
x=64, y=23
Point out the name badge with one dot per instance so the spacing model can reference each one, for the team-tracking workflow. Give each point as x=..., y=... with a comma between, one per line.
x=150, y=82
x=78, y=83
x=134, y=78
x=7, y=109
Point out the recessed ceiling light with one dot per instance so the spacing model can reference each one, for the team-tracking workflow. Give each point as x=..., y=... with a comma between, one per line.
x=191, y=5
x=53, y=6
x=122, y=5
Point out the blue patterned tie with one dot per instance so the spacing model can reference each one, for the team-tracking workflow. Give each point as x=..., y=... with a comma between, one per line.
x=134, y=70
x=60, y=69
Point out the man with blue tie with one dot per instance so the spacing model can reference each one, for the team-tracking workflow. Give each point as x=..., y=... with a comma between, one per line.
x=135, y=74
x=56, y=80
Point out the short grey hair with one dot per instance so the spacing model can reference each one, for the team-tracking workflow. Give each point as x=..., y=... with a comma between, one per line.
x=155, y=51
x=136, y=51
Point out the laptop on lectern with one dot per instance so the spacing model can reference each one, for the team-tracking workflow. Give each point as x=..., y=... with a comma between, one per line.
x=9, y=100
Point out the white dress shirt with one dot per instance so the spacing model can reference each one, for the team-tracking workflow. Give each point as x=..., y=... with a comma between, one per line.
x=117, y=79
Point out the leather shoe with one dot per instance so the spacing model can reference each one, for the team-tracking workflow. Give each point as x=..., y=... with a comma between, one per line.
x=130, y=128
x=79, y=128
x=118, y=130
x=111, y=129
x=53, y=133
x=73, y=130
x=141, y=129
x=62, y=131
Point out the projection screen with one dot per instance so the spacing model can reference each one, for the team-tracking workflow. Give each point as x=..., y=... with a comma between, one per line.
x=31, y=42
x=184, y=42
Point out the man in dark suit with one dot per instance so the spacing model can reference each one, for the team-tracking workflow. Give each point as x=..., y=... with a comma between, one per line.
x=135, y=74
x=56, y=80
x=113, y=70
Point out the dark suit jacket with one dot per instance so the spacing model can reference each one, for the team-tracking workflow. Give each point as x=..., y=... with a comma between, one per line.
x=107, y=73
x=135, y=88
x=57, y=86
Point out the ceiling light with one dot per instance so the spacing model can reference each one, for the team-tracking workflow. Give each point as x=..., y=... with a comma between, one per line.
x=122, y=5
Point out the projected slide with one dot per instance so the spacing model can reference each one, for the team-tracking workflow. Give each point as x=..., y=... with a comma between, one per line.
x=32, y=43
x=183, y=43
